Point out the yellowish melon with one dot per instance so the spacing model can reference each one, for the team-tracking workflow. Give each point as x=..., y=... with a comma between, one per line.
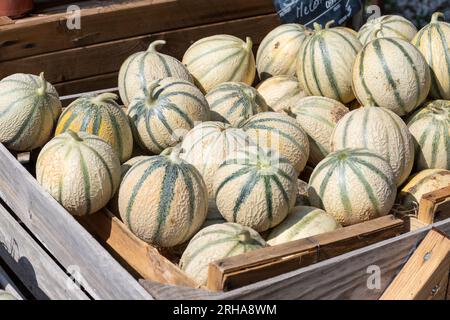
x=278, y=52
x=389, y=26
x=220, y=58
x=281, y=92
x=143, y=67
x=80, y=170
x=301, y=223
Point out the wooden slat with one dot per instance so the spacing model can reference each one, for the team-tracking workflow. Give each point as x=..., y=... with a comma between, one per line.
x=63, y=236
x=425, y=275
x=114, y=20
x=90, y=61
x=138, y=256
x=435, y=205
x=7, y=285
x=161, y=291
x=37, y=271
x=237, y=271
x=88, y=84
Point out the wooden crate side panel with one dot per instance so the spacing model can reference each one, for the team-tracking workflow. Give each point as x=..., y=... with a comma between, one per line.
x=63, y=236
x=114, y=21
x=90, y=61
x=7, y=284
x=37, y=271
x=342, y=277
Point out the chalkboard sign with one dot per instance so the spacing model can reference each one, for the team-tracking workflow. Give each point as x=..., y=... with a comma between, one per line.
x=306, y=12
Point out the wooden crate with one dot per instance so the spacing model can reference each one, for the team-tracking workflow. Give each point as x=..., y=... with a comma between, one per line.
x=113, y=30
x=47, y=232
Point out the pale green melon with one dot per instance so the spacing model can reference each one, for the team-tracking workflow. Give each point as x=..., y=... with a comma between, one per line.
x=29, y=109
x=389, y=26
x=216, y=242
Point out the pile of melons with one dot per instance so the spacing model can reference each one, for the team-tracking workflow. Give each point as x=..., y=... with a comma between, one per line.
x=219, y=159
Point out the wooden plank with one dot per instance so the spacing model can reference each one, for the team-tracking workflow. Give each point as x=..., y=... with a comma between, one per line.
x=7, y=285
x=63, y=236
x=342, y=277
x=138, y=256
x=37, y=271
x=435, y=206
x=161, y=291
x=238, y=271
x=114, y=20
x=89, y=61
x=425, y=275
x=98, y=82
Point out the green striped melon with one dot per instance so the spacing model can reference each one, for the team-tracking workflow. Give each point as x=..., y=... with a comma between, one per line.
x=124, y=168
x=29, y=109
x=325, y=63
x=278, y=51
x=255, y=188
x=220, y=58
x=282, y=134
x=167, y=111
x=433, y=41
x=354, y=185
x=80, y=170
x=208, y=144
x=233, y=102
x=389, y=26
x=281, y=92
x=216, y=242
x=430, y=127
x=318, y=117
x=4, y=295
x=143, y=67
x=391, y=73
x=302, y=222
x=425, y=181
x=163, y=200
x=102, y=116
x=381, y=131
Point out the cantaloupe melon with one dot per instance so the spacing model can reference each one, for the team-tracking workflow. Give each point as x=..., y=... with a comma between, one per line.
x=255, y=188
x=220, y=58
x=433, y=41
x=216, y=242
x=391, y=73
x=354, y=185
x=281, y=92
x=167, y=111
x=318, y=116
x=278, y=52
x=29, y=109
x=163, y=200
x=282, y=134
x=143, y=67
x=418, y=185
x=208, y=144
x=325, y=62
x=234, y=102
x=430, y=127
x=80, y=170
x=102, y=116
x=389, y=26
x=379, y=130
x=301, y=223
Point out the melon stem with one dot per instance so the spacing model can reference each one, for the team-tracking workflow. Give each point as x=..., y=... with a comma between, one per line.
x=175, y=154
x=376, y=31
x=317, y=26
x=74, y=135
x=154, y=44
x=150, y=92
x=244, y=236
x=328, y=24
x=43, y=88
x=435, y=17
x=248, y=44
x=104, y=97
